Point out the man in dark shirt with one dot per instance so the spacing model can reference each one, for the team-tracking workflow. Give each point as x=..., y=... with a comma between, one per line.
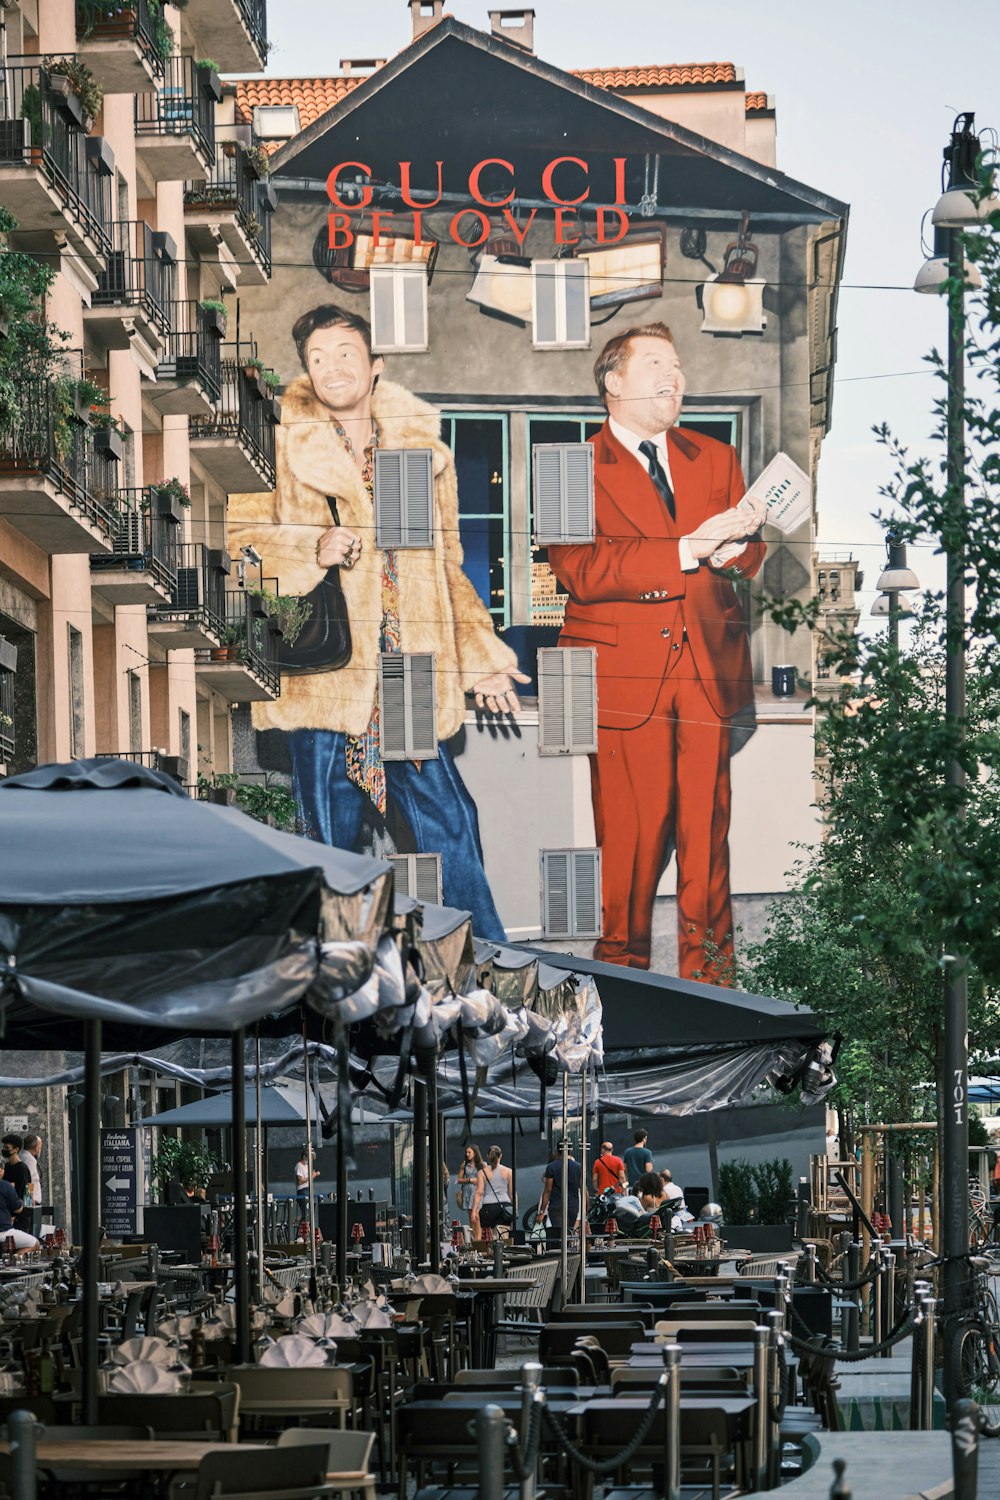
x=11, y=1204
x=552, y=1183
x=17, y=1175
x=638, y=1160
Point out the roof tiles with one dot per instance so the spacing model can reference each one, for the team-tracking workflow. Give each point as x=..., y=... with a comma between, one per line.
x=670, y=76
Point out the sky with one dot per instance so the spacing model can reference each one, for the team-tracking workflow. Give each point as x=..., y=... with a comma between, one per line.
x=865, y=94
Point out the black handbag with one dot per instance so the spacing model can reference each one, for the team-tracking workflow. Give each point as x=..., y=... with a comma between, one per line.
x=324, y=642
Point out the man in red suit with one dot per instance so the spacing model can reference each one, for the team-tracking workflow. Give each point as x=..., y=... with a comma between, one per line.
x=654, y=594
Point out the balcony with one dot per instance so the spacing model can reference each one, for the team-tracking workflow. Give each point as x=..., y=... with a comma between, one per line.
x=7, y=742
x=122, y=44
x=195, y=613
x=234, y=202
x=175, y=127
x=234, y=32
x=189, y=375
x=156, y=760
x=54, y=486
x=244, y=666
x=142, y=565
x=54, y=178
x=132, y=302
x=235, y=445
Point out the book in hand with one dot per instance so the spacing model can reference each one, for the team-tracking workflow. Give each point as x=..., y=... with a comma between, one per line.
x=787, y=492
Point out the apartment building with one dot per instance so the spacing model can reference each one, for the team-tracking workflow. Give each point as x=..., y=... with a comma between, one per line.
x=132, y=177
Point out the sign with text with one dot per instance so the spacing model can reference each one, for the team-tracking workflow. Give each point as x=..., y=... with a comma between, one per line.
x=121, y=1182
x=15, y=1124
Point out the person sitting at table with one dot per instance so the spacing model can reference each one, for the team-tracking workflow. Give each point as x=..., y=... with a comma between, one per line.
x=650, y=1192
x=11, y=1204
x=495, y=1203
x=673, y=1194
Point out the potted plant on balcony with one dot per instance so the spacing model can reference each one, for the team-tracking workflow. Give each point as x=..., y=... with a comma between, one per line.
x=253, y=369
x=163, y=37
x=216, y=316
x=257, y=160
x=171, y=498
x=74, y=90
x=109, y=434
x=208, y=77
x=233, y=639
x=286, y=612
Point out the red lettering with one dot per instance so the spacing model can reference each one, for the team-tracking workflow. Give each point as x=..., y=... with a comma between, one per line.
x=620, y=179
x=604, y=239
x=378, y=215
x=405, y=189
x=490, y=161
x=519, y=234
x=548, y=174
x=560, y=237
x=339, y=224
x=476, y=213
x=364, y=189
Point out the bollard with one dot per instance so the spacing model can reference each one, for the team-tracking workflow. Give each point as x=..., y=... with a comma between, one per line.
x=917, y=1360
x=927, y=1379
x=810, y=1266
x=965, y=1448
x=875, y=1322
x=850, y=1319
x=491, y=1428
x=498, y=1258
x=672, y=1421
x=531, y=1379
x=23, y=1431
x=840, y=1489
x=761, y=1338
x=774, y=1320
x=890, y=1297
x=326, y=1256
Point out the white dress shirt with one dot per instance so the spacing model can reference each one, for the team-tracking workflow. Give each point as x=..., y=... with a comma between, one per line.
x=36, y=1182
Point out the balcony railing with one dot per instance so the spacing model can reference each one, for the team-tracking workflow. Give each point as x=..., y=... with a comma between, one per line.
x=233, y=186
x=7, y=744
x=36, y=128
x=241, y=414
x=183, y=105
x=38, y=436
x=129, y=22
x=198, y=592
x=254, y=13
x=142, y=539
x=136, y=275
x=171, y=765
x=247, y=633
x=193, y=352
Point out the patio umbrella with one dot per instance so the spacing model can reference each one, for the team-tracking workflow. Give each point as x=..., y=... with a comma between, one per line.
x=127, y=910
x=215, y=1111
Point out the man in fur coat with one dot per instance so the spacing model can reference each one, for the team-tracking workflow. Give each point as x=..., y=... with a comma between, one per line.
x=404, y=599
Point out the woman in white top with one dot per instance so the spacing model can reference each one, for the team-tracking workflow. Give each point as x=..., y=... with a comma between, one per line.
x=495, y=1203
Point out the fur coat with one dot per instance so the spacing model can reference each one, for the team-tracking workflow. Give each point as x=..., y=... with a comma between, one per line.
x=439, y=610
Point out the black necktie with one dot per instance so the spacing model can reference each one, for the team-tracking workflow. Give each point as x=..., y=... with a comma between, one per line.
x=658, y=476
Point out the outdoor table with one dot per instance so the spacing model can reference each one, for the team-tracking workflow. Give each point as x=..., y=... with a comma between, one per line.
x=695, y=1356
x=159, y=1459
x=738, y=1409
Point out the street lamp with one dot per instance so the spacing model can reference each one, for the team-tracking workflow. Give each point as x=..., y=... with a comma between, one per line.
x=894, y=578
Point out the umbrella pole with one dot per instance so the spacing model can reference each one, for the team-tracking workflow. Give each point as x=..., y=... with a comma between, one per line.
x=258, y=1175
x=583, y=1185
x=434, y=1137
x=90, y=1238
x=419, y=1236
x=241, y=1270
x=564, y=1247
x=311, y=1200
x=341, y=1198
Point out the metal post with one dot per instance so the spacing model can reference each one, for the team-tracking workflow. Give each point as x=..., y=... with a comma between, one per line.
x=491, y=1425
x=583, y=1186
x=773, y=1433
x=927, y=1380
x=259, y=1172
x=850, y=1319
x=436, y=1174
x=90, y=1239
x=917, y=1361
x=531, y=1379
x=955, y=1126
x=761, y=1338
x=23, y=1432
x=342, y=1227
x=310, y=1157
x=419, y=1171
x=564, y=1246
x=875, y=1324
x=672, y=1419
x=965, y=1448
x=241, y=1269
x=890, y=1297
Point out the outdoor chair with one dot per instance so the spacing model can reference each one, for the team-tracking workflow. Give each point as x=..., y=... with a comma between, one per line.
x=615, y=1339
x=711, y=1312
x=348, y=1457
x=208, y=1413
x=606, y=1313
x=496, y=1380
x=608, y=1426
x=696, y=1382
x=323, y=1392
x=259, y=1474
x=439, y=1313
x=687, y=1331
x=525, y=1310
x=422, y=1445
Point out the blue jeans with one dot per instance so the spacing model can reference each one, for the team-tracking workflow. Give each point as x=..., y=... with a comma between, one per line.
x=433, y=800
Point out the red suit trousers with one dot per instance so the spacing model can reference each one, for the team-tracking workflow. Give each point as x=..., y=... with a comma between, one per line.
x=665, y=781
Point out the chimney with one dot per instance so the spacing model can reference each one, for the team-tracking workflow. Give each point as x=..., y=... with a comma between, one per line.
x=356, y=66
x=424, y=14
x=515, y=26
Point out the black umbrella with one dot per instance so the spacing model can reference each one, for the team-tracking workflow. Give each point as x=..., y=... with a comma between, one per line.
x=127, y=910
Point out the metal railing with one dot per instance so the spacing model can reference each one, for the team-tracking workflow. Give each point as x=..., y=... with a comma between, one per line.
x=241, y=414
x=254, y=16
x=127, y=22
x=155, y=760
x=135, y=275
x=181, y=106
x=198, y=591
x=6, y=715
x=234, y=186
x=142, y=540
x=248, y=631
x=35, y=128
x=38, y=436
x=192, y=351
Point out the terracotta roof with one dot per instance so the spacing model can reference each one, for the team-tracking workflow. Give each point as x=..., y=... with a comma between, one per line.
x=669, y=76
x=756, y=101
x=314, y=96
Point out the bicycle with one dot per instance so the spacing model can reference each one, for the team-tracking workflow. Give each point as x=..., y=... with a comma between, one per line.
x=973, y=1333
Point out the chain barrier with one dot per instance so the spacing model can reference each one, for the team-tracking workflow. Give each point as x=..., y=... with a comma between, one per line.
x=607, y=1465
x=830, y=1350
x=523, y=1461
x=848, y=1286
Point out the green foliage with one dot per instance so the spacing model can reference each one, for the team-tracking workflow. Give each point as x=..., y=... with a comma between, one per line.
x=271, y=379
x=163, y=37
x=288, y=612
x=176, y=489
x=187, y=1162
x=253, y=365
x=773, y=1183
x=31, y=110
x=755, y=1192
x=82, y=81
x=209, y=63
x=212, y=304
x=258, y=159
x=258, y=800
x=737, y=1191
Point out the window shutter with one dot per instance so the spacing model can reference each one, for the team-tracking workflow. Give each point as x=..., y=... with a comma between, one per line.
x=571, y=893
x=407, y=719
x=418, y=876
x=567, y=701
x=398, y=308
x=404, y=497
x=560, y=304
x=563, y=492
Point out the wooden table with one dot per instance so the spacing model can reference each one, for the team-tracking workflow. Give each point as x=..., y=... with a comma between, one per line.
x=130, y=1455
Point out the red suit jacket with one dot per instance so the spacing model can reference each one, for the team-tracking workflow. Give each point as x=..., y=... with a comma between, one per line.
x=635, y=552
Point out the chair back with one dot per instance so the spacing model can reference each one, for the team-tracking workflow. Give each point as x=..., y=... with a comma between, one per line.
x=208, y=1414
x=712, y=1312
x=687, y=1331
x=539, y=1278
x=616, y=1339
x=347, y=1452
x=616, y=1312
x=310, y=1383
x=260, y=1471
x=497, y=1380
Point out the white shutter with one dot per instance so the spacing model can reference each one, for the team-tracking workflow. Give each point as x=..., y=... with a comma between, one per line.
x=562, y=492
x=408, y=718
x=560, y=304
x=418, y=876
x=567, y=701
x=571, y=893
x=404, y=497
x=398, y=308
